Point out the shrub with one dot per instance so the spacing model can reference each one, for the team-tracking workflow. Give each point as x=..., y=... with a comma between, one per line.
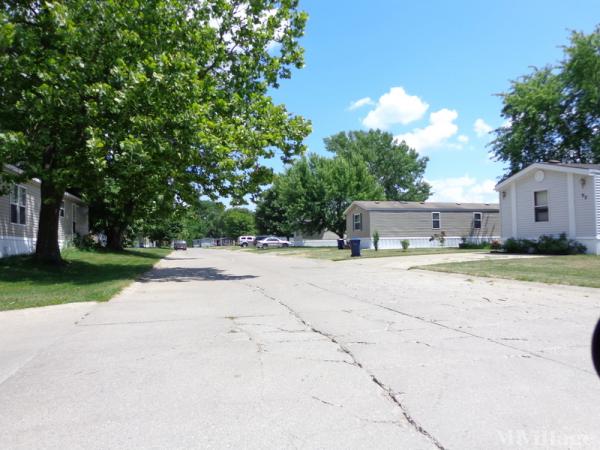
x=85, y=242
x=405, y=244
x=545, y=245
x=441, y=238
x=495, y=244
x=376, y=240
x=512, y=245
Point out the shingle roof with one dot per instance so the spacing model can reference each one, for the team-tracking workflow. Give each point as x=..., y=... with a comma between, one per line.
x=575, y=165
x=425, y=206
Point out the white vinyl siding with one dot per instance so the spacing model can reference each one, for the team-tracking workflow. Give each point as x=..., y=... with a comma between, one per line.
x=597, y=203
x=32, y=205
x=585, y=210
x=366, y=225
x=555, y=183
x=506, y=212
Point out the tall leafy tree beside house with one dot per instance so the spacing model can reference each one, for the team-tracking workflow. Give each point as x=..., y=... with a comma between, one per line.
x=398, y=168
x=139, y=103
x=317, y=191
x=553, y=113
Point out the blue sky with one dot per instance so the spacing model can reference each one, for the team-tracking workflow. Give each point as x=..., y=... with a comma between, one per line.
x=428, y=72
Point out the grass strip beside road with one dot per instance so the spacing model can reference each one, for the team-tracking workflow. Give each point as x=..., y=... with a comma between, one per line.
x=87, y=276
x=575, y=270
x=333, y=254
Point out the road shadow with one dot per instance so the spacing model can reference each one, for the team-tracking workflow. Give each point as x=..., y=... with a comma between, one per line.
x=183, y=274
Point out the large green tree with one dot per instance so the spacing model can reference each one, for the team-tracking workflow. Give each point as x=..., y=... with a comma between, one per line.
x=553, y=113
x=272, y=212
x=236, y=222
x=398, y=168
x=317, y=191
x=142, y=103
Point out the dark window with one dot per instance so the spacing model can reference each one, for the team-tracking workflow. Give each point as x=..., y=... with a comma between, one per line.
x=540, y=199
x=18, y=205
x=357, y=222
x=74, y=211
x=477, y=220
x=435, y=220
x=62, y=209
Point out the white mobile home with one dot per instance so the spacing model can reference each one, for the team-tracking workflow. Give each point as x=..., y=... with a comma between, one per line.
x=20, y=212
x=417, y=222
x=550, y=199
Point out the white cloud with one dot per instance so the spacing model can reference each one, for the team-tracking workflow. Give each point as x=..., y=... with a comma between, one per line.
x=395, y=107
x=482, y=128
x=463, y=189
x=360, y=103
x=463, y=139
x=441, y=127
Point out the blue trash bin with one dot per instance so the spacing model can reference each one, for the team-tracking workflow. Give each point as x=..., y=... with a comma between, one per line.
x=355, y=247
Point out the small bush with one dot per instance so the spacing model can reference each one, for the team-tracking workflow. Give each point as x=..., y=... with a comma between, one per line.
x=441, y=238
x=376, y=240
x=405, y=244
x=85, y=242
x=545, y=245
x=496, y=245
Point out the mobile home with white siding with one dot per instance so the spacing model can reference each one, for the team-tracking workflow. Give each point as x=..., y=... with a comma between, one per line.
x=417, y=222
x=550, y=199
x=20, y=212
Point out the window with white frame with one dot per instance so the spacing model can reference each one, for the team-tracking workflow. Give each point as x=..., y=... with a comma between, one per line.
x=540, y=201
x=435, y=220
x=477, y=220
x=18, y=205
x=357, y=222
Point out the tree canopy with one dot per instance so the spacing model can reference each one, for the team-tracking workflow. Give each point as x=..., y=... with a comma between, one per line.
x=317, y=190
x=272, y=212
x=237, y=222
x=398, y=168
x=553, y=113
x=140, y=104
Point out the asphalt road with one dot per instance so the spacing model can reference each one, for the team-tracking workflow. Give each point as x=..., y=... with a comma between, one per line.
x=221, y=349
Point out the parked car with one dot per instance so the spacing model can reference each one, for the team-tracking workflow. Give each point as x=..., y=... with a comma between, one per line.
x=272, y=241
x=179, y=245
x=245, y=241
x=259, y=238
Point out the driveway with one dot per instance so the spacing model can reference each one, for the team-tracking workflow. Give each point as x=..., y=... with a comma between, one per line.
x=222, y=349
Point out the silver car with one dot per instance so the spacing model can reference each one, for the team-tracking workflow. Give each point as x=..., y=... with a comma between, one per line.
x=272, y=241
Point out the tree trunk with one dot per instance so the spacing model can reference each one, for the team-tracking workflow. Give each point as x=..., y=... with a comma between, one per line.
x=114, y=238
x=47, y=249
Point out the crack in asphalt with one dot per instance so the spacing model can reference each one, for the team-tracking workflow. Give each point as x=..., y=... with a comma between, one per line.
x=458, y=330
x=355, y=362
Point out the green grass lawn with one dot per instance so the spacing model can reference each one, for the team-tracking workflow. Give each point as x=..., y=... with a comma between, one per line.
x=87, y=276
x=577, y=270
x=333, y=254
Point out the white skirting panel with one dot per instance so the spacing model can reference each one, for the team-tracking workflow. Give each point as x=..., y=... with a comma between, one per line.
x=315, y=243
x=13, y=245
x=592, y=245
x=421, y=242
